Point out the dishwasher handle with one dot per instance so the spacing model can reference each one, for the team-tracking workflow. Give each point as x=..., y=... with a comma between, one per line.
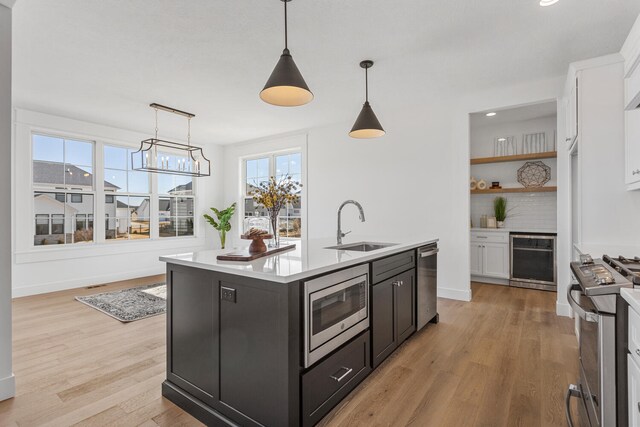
x=429, y=253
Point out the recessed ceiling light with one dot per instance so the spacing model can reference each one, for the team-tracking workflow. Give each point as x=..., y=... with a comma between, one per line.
x=545, y=3
x=491, y=114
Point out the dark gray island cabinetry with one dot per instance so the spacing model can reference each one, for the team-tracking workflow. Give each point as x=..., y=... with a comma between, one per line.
x=240, y=336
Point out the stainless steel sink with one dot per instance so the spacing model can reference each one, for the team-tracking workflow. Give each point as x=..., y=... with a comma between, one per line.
x=362, y=246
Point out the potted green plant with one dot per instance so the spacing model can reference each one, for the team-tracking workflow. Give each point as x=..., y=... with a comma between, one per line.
x=500, y=210
x=223, y=225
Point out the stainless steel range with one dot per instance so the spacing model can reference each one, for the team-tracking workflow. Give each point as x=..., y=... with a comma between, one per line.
x=594, y=300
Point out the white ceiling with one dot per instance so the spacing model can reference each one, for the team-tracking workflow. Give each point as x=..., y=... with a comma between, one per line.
x=106, y=60
x=515, y=114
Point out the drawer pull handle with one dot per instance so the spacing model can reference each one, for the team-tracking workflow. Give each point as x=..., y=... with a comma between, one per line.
x=343, y=376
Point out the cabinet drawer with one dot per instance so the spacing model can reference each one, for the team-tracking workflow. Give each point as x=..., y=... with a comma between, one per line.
x=633, y=384
x=391, y=266
x=634, y=334
x=490, y=237
x=326, y=384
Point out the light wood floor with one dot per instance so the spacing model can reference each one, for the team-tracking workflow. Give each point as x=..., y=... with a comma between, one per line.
x=504, y=359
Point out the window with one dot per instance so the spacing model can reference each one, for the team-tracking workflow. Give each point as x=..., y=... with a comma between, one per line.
x=63, y=188
x=129, y=217
x=259, y=170
x=65, y=194
x=176, y=201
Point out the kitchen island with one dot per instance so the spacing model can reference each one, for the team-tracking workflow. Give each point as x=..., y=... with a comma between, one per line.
x=280, y=340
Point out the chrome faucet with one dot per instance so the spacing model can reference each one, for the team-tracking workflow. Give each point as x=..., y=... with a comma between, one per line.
x=352, y=202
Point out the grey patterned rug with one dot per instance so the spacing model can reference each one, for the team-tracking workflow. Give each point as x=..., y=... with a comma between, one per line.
x=132, y=304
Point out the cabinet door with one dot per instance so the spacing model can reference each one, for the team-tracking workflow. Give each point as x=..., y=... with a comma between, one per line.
x=383, y=340
x=495, y=260
x=476, y=259
x=405, y=288
x=632, y=143
x=634, y=391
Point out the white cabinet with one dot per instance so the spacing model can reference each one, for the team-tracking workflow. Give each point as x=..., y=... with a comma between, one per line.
x=476, y=259
x=632, y=146
x=495, y=260
x=631, y=53
x=490, y=254
x=634, y=391
x=572, y=108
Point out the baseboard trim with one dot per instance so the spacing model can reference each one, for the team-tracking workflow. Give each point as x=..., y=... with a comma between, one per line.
x=456, y=294
x=62, y=285
x=7, y=387
x=563, y=310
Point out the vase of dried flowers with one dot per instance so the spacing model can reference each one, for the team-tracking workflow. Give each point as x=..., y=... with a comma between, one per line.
x=275, y=195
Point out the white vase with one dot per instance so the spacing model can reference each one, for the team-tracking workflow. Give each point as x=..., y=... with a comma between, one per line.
x=500, y=224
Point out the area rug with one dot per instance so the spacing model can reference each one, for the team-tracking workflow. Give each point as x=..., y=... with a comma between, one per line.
x=129, y=305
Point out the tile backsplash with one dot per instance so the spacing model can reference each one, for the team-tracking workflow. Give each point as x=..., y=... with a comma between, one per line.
x=526, y=210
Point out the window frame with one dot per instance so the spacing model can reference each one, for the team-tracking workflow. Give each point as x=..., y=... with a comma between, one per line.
x=272, y=155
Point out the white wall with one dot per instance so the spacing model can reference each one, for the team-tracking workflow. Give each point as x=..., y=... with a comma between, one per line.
x=7, y=382
x=46, y=269
x=525, y=211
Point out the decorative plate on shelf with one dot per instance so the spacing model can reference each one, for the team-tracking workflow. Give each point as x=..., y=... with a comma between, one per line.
x=534, y=174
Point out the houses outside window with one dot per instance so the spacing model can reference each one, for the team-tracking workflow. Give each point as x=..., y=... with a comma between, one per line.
x=129, y=217
x=175, y=202
x=63, y=189
x=278, y=165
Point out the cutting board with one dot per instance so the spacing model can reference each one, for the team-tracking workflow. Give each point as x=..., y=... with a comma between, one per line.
x=244, y=255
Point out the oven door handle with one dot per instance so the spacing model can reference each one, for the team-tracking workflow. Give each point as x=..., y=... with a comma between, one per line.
x=589, y=316
x=572, y=391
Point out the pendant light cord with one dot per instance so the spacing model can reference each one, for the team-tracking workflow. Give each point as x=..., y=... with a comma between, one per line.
x=156, y=123
x=366, y=84
x=286, y=35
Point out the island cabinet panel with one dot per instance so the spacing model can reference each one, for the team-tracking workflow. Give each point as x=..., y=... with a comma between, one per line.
x=393, y=310
x=233, y=348
x=327, y=383
x=405, y=305
x=253, y=352
x=193, y=332
x=382, y=321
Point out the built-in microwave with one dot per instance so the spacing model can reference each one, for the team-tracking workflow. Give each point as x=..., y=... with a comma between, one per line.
x=336, y=309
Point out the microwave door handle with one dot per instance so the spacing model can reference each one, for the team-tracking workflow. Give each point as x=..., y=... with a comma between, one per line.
x=584, y=314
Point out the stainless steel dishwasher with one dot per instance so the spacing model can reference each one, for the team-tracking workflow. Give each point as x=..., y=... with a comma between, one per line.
x=427, y=299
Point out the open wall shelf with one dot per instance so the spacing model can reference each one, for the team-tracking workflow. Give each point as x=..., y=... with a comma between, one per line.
x=516, y=158
x=516, y=190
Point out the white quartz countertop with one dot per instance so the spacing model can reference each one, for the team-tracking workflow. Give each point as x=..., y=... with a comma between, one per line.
x=632, y=296
x=309, y=258
x=513, y=230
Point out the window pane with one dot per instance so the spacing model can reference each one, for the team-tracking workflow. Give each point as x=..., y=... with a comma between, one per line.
x=45, y=205
x=138, y=182
x=78, y=177
x=48, y=149
x=263, y=168
x=167, y=227
x=295, y=163
x=139, y=218
x=182, y=185
x=115, y=157
x=165, y=183
x=77, y=210
x=181, y=206
x=78, y=153
x=282, y=165
x=115, y=180
x=251, y=169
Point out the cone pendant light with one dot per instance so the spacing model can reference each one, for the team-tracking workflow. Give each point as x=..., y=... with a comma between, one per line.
x=286, y=86
x=367, y=124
